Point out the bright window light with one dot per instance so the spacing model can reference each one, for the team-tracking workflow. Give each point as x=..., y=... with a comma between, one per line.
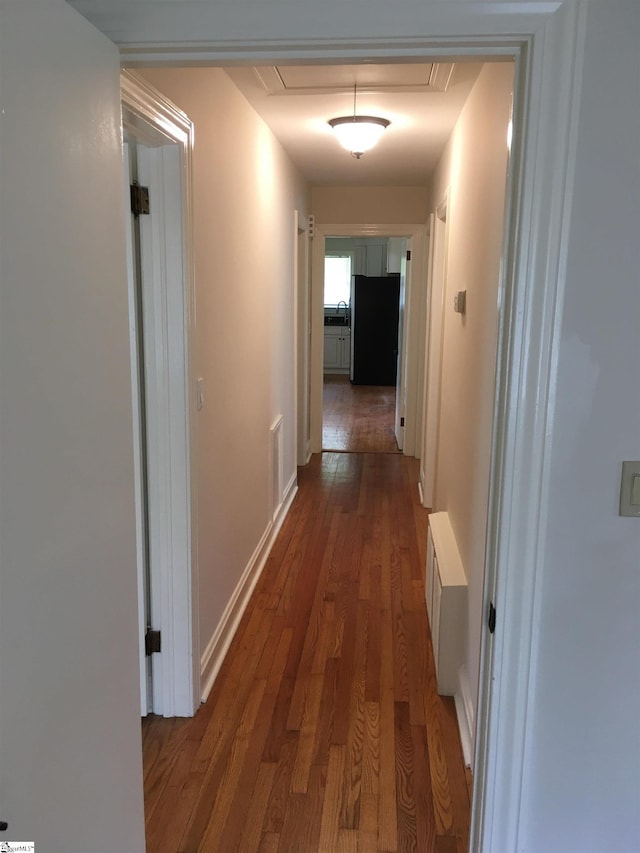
x=337, y=280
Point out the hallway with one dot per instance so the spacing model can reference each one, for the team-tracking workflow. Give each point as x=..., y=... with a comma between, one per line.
x=324, y=731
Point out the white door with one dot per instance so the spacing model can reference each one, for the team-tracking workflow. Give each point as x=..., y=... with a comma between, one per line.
x=70, y=754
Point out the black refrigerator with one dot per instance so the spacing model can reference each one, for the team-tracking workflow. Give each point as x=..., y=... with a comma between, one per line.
x=374, y=329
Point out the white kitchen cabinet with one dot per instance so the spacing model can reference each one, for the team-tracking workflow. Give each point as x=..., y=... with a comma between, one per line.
x=337, y=349
x=371, y=258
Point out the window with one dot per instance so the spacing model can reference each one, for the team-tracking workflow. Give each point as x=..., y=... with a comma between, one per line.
x=337, y=280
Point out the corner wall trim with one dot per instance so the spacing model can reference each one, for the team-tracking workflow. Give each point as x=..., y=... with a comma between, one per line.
x=218, y=645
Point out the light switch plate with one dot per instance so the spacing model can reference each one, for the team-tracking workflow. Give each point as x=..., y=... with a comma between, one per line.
x=630, y=490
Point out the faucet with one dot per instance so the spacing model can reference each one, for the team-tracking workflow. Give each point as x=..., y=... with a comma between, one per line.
x=346, y=308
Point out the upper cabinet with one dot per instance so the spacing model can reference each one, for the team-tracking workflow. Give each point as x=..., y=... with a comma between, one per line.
x=371, y=257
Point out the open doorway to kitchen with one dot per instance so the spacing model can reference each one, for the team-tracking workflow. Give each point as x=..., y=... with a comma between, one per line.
x=361, y=336
x=341, y=391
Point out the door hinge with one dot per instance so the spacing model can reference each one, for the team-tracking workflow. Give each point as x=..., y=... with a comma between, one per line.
x=408, y=254
x=491, y=618
x=401, y=422
x=139, y=200
x=151, y=642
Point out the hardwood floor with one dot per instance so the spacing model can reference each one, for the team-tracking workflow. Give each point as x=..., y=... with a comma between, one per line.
x=358, y=418
x=324, y=731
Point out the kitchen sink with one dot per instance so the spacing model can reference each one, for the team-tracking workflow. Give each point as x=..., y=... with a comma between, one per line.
x=336, y=320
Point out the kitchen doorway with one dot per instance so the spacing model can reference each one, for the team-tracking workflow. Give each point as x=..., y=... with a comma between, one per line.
x=357, y=417
x=361, y=346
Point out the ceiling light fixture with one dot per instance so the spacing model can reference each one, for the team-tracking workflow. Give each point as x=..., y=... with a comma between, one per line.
x=358, y=133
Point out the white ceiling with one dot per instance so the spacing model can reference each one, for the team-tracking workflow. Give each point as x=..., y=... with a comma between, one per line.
x=422, y=102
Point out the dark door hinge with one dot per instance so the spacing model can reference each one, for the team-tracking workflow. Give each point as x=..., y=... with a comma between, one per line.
x=408, y=254
x=151, y=642
x=401, y=422
x=139, y=200
x=491, y=620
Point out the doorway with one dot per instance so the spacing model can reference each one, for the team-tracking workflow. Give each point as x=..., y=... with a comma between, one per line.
x=364, y=280
x=161, y=308
x=536, y=325
x=401, y=400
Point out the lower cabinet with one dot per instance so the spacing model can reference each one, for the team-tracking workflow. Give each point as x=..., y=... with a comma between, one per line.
x=337, y=349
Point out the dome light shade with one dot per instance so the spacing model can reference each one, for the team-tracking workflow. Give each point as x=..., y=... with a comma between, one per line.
x=358, y=133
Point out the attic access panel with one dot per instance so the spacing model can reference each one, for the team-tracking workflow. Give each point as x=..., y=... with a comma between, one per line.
x=324, y=79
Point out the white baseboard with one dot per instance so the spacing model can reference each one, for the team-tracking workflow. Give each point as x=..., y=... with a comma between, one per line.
x=465, y=714
x=420, y=492
x=218, y=645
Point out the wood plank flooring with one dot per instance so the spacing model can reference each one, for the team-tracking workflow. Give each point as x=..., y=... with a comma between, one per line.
x=358, y=418
x=324, y=731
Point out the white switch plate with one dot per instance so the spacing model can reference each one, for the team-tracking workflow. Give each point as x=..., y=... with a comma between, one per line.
x=630, y=489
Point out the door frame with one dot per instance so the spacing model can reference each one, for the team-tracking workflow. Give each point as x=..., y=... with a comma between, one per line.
x=546, y=39
x=436, y=288
x=302, y=335
x=401, y=359
x=412, y=378
x=166, y=135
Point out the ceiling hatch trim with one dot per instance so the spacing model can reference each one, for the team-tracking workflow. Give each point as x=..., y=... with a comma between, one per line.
x=368, y=77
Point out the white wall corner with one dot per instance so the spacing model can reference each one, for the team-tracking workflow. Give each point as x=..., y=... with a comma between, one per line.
x=465, y=712
x=217, y=647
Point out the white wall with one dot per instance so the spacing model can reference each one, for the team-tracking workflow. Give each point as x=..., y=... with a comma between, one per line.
x=70, y=749
x=362, y=205
x=474, y=169
x=245, y=194
x=582, y=792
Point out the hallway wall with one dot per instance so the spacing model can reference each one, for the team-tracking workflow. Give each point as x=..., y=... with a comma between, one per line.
x=360, y=205
x=245, y=194
x=473, y=168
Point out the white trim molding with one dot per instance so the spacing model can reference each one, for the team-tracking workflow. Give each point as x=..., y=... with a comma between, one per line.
x=548, y=80
x=173, y=31
x=165, y=137
x=218, y=646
